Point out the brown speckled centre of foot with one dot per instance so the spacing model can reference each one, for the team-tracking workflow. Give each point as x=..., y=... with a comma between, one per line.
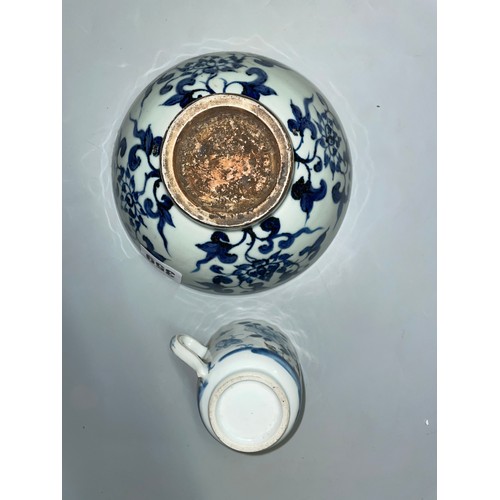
x=227, y=161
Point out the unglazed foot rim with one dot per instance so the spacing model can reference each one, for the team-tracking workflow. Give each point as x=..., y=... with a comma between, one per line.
x=237, y=442
x=227, y=161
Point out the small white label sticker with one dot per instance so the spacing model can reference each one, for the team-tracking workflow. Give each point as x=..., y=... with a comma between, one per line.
x=164, y=268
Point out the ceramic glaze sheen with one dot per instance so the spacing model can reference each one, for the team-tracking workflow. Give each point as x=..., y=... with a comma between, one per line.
x=250, y=386
x=232, y=173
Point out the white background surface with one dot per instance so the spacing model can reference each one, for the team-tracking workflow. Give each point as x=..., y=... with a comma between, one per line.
x=363, y=317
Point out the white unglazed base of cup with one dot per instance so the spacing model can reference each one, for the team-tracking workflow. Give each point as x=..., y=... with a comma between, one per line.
x=249, y=412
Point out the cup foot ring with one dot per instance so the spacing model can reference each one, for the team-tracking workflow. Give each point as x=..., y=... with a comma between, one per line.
x=249, y=412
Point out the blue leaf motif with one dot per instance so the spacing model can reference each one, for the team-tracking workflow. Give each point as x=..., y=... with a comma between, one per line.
x=272, y=225
x=256, y=88
x=183, y=97
x=149, y=144
x=216, y=269
x=268, y=63
x=218, y=247
x=157, y=208
x=133, y=160
x=122, y=147
x=304, y=191
x=324, y=152
x=163, y=204
x=337, y=194
x=339, y=197
x=166, y=79
x=219, y=281
x=254, y=271
x=311, y=251
x=151, y=249
x=175, y=99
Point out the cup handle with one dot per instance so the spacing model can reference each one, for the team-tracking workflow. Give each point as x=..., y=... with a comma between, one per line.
x=191, y=352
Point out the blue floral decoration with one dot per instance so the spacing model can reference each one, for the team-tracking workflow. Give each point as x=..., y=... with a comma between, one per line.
x=131, y=197
x=323, y=128
x=255, y=270
x=252, y=258
x=191, y=87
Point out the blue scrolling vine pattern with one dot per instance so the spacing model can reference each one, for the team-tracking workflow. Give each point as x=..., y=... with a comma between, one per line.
x=325, y=132
x=191, y=74
x=327, y=152
x=262, y=248
x=192, y=86
x=256, y=269
x=129, y=193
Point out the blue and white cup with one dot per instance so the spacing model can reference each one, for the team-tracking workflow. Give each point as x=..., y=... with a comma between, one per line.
x=250, y=385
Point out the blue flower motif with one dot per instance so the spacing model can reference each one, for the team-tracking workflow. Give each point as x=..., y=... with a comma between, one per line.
x=130, y=195
x=129, y=200
x=330, y=140
x=325, y=153
x=213, y=64
x=191, y=86
x=264, y=269
x=256, y=270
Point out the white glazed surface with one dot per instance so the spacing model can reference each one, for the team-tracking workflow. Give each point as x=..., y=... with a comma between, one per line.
x=249, y=412
x=363, y=317
x=246, y=362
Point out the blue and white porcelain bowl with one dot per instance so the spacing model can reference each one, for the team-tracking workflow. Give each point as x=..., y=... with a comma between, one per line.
x=231, y=173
